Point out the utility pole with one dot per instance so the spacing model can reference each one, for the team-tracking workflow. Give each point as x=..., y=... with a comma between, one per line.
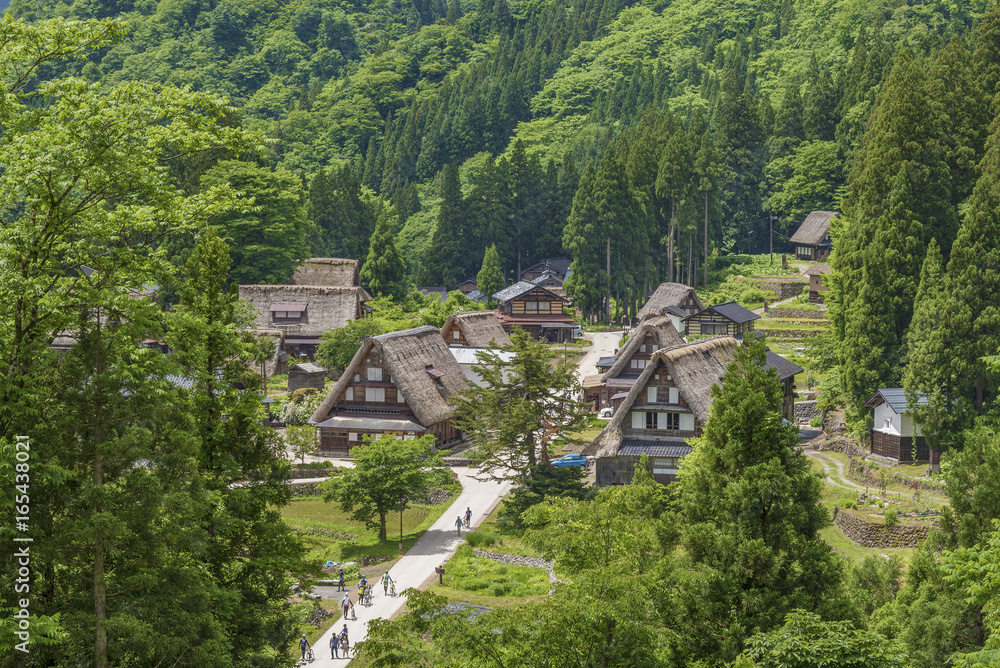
x=770, y=235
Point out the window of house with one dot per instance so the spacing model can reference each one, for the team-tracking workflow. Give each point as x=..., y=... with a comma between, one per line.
x=664, y=466
x=714, y=328
x=650, y=420
x=638, y=364
x=375, y=394
x=375, y=373
x=670, y=421
x=642, y=348
x=531, y=307
x=349, y=395
x=803, y=250
x=352, y=436
x=455, y=334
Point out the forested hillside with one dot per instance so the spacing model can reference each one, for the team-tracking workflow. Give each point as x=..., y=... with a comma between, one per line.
x=658, y=123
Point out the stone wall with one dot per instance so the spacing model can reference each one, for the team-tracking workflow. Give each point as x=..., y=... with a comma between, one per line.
x=798, y=313
x=859, y=471
x=311, y=473
x=782, y=287
x=805, y=411
x=875, y=534
x=518, y=560
x=782, y=333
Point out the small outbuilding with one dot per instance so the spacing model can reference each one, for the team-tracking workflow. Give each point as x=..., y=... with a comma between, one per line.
x=816, y=286
x=306, y=375
x=728, y=319
x=894, y=434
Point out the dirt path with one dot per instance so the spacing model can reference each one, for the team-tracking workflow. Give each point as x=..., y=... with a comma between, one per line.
x=830, y=464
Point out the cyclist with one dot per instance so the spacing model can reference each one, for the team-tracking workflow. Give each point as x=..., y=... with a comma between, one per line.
x=345, y=642
x=468, y=517
x=385, y=583
x=303, y=645
x=345, y=603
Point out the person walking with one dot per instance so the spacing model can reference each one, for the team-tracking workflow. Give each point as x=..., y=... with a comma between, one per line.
x=303, y=645
x=334, y=646
x=340, y=582
x=346, y=603
x=385, y=583
x=458, y=525
x=345, y=643
x=468, y=517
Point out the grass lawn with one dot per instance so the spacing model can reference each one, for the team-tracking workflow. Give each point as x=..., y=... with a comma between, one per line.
x=784, y=323
x=469, y=574
x=314, y=513
x=585, y=435
x=277, y=384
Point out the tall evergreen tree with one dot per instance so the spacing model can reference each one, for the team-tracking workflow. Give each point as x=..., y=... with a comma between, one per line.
x=673, y=182
x=445, y=262
x=583, y=240
x=898, y=199
x=489, y=280
x=384, y=270
x=749, y=519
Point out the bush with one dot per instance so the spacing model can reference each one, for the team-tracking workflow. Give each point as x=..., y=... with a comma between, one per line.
x=849, y=504
x=480, y=538
x=543, y=482
x=298, y=413
x=891, y=519
x=816, y=422
x=500, y=589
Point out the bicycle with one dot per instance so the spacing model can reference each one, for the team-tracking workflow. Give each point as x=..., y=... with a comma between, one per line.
x=392, y=588
x=368, y=596
x=310, y=657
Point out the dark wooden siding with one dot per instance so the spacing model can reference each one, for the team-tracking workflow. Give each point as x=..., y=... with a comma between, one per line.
x=899, y=447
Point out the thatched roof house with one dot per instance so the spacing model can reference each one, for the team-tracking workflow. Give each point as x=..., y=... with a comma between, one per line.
x=398, y=384
x=651, y=335
x=303, y=312
x=672, y=300
x=476, y=329
x=812, y=239
x=668, y=404
x=331, y=271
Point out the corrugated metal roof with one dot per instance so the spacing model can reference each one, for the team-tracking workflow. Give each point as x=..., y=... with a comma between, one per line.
x=468, y=355
x=605, y=362
x=295, y=308
x=632, y=447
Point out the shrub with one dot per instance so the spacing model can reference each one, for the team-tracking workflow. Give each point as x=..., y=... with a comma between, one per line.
x=849, y=504
x=891, y=519
x=816, y=422
x=500, y=589
x=480, y=538
x=298, y=413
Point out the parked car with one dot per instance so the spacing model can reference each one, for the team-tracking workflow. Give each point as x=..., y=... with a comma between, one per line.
x=570, y=460
x=605, y=413
x=577, y=332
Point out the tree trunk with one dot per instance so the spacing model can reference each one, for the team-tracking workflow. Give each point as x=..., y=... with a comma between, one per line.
x=979, y=393
x=382, y=532
x=689, y=260
x=670, y=241
x=706, y=238
x=608, y=256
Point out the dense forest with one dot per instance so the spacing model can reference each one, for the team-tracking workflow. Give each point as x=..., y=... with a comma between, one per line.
x=679, y=130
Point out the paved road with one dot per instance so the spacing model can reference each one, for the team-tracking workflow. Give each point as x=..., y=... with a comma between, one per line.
x=417, y=566
x=604, y=346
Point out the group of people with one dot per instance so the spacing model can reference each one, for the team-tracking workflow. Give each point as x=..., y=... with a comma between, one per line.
x=468, y=521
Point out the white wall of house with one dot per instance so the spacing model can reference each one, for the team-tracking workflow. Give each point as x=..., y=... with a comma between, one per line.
x=889, y=421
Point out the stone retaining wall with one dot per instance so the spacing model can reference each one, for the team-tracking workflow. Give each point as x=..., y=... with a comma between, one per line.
x=782, y=333
x=306, y=489
x=858, y=471
x=874, y=534
x=311, y=473
x=782, y=287
x=796, y=313
x=518, y=560
x=842, y=445
x=805, y=411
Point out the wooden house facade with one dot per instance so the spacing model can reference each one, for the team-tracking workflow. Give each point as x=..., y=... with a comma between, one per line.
x=306, y=375
x=728, y=319
x=668, y=404
x=787, y=370
x=894, y=434
x=535, y=309
x=397, y=384
x=812, y=239
x=652, y=335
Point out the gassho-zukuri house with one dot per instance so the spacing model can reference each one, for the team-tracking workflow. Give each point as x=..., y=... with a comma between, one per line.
x=627, y=365
x=672, y=300
x=397, y=384
x=669, y=403
x=475, y=329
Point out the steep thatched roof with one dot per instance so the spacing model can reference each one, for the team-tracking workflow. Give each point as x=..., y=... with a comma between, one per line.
x=326, y=307
x=332, y=271
x=694, y=367
x=666, y=295
x=407, y=355
x=480, y=328
x=663, y=332
x=814, y=228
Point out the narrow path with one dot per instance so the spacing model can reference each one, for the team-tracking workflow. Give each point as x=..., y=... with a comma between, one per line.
x=416, y=567
x=760, y=311
x=841, y=480
x=604, y=346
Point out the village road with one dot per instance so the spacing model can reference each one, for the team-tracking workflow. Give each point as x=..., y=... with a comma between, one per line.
x=416, y=567
x=604, y=346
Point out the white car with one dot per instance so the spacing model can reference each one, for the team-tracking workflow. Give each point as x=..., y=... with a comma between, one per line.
x=605, y=413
